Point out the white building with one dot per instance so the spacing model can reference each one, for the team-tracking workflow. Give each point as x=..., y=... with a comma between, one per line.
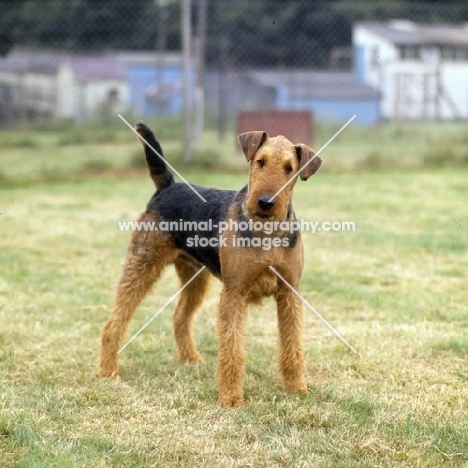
x=35, y=83
x=421, y=71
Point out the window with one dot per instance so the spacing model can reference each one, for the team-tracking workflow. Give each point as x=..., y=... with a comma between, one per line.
x=409, y=52
x=461, y=53
x=448, y=53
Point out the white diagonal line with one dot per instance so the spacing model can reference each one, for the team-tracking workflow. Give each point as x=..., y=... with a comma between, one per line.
x=315, y=312
x=160, y=156
x=161, y=309
x=315, y=155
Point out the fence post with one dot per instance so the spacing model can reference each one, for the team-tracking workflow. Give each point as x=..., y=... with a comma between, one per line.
x=186, y=34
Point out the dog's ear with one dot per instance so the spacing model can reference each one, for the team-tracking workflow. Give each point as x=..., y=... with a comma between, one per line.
x=309, y=163
x=250, y=142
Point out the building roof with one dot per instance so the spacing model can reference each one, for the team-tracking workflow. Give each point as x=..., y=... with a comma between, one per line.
x=104, y=67
x=142, y=58
x=317, y=85
x=404, y=32
x=85, y=67
x=27, y=61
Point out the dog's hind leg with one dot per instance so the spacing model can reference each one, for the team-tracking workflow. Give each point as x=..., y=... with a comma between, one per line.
x=147, y=256
x=189, y=301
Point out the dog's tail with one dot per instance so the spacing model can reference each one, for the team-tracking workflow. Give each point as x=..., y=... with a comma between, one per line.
x=159, y=172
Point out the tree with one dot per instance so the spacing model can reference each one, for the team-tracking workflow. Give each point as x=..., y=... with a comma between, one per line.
x=260, y=33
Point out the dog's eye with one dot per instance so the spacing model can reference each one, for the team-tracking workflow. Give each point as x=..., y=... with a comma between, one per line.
x=288, y=169
x=260, y=162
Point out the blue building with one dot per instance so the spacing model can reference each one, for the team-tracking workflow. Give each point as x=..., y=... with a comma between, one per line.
x=156, y=89
x=156, y=83
x=333, y=96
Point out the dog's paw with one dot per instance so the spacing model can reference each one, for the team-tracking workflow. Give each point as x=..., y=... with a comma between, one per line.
x=194, y=358
x=110, y=375
x=296, y=387
x=231, y=401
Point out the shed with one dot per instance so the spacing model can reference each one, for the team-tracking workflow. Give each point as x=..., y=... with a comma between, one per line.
x=62, y=84
x=420, y=70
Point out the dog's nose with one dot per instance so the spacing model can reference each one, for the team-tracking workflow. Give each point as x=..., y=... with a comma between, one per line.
x=265, y=203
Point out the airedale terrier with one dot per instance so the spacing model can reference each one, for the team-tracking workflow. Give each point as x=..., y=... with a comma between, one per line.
x=236, y=254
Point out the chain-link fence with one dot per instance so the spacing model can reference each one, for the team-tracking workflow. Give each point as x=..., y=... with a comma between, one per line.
x=88, y=59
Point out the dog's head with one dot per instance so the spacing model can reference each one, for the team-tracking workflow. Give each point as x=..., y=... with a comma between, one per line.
x=275, y=164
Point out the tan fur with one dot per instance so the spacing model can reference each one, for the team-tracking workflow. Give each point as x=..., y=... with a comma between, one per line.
x=247, y=279
x=147, y=255
x=189, y=301
x=245, y=273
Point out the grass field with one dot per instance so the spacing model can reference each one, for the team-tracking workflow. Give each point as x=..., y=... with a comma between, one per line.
x=396, y=288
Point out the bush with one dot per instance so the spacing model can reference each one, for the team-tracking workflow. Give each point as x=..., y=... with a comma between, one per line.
x=20, y=140
x=374, y=160
x=445, y=155
x=4, y=180
x=137, y=160
x=97, y=166
x=205, y=159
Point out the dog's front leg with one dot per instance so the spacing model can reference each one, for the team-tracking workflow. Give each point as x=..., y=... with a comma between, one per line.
x=231, y=357
x=291, y=329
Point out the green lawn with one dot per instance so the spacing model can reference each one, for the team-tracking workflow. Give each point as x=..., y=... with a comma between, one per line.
x=396, y=288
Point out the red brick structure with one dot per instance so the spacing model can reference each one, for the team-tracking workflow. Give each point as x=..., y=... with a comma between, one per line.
x=296, y=126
